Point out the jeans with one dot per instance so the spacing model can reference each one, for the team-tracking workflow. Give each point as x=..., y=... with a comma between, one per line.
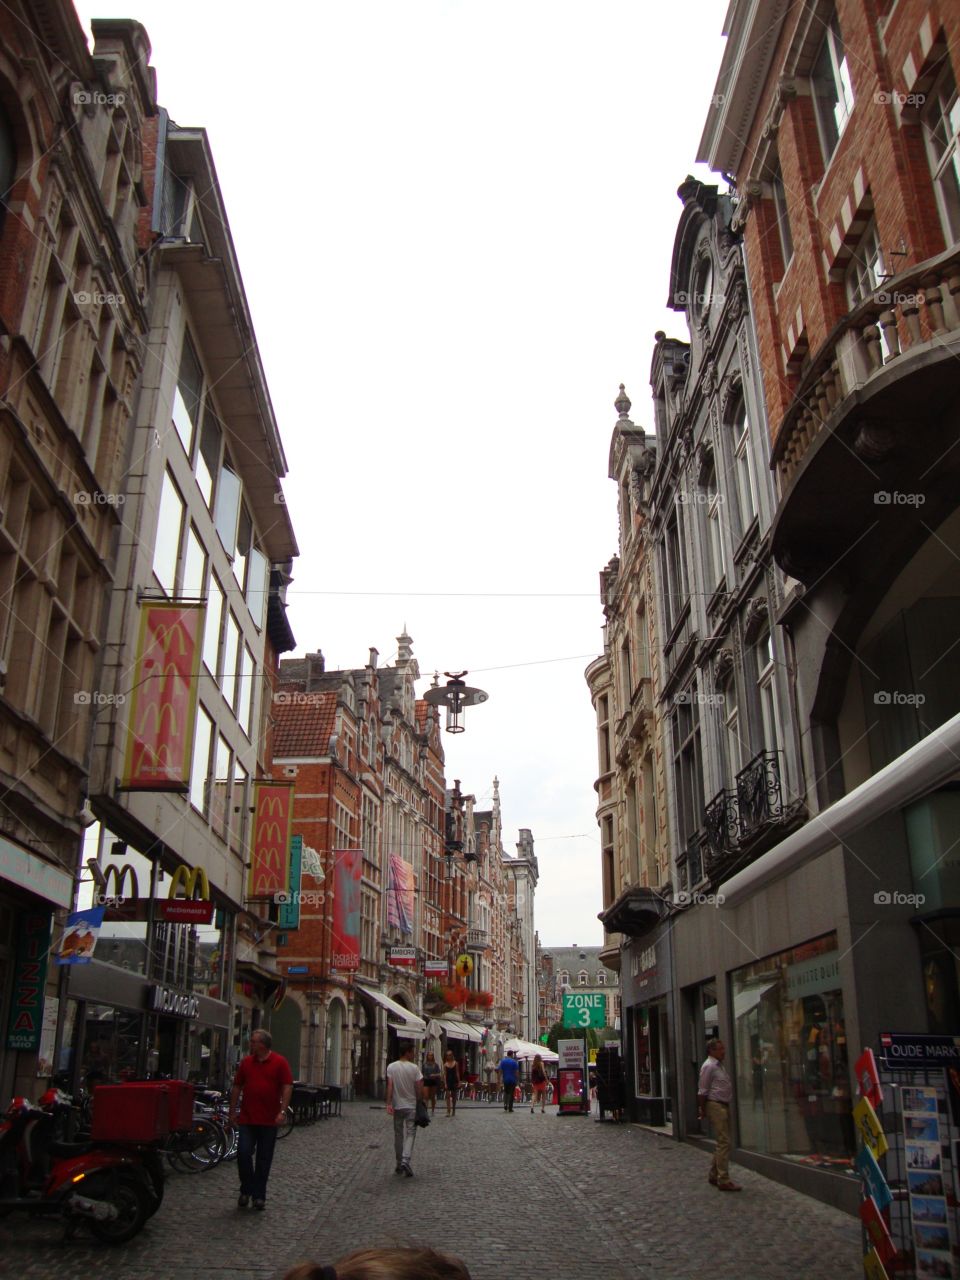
x=719, y=1117
x=509, y=1093
x=404, y=1132
x=255, y=1140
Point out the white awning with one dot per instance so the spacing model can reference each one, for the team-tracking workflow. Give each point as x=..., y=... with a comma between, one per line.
x=921, y=769
x=459, y=1030
x=410, y=1023
x=525, y=1050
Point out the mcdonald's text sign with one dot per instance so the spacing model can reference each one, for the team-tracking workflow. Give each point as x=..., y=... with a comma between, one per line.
x=164, y=702
x=270, y=855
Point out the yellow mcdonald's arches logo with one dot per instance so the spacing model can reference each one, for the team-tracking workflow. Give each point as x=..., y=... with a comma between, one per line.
x=147, y=758
x=118, y=875
x=159, y=712
x=268, y=832
x=192, y=877
x=164, y=636
x=271, y=805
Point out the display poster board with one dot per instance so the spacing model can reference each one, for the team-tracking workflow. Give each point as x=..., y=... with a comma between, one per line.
x=571, y=1078
x=928, y=1205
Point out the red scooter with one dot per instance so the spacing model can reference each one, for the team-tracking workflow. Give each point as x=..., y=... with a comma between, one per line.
x=109, y=1188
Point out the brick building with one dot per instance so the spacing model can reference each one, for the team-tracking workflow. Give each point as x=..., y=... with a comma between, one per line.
x=837, y=126
x=72, y=330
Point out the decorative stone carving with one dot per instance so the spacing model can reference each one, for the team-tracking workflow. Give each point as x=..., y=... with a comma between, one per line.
x=755, y=619
x=723, y=665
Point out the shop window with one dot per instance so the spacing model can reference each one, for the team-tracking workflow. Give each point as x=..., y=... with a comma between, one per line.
x=792, y=1072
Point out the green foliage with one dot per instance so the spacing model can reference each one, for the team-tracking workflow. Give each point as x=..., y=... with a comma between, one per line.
x=559, y=1032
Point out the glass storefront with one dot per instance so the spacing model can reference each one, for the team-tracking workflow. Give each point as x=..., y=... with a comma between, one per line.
x=790, y=1054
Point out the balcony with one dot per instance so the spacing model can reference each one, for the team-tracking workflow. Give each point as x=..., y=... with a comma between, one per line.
x=867, y=444
x=759, y=794
x=477, y=939
x=721, y=826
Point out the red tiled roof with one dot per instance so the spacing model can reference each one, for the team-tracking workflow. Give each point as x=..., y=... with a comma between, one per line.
x=303, y=722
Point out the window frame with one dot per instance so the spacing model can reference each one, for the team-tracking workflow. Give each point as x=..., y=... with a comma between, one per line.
x=949, y=159
x=832, y=119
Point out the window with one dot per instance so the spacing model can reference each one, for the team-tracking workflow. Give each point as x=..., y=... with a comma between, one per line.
x=211, y=629
x=738, y=437
x=200, y=771
x=563, y=977
x=582, y=978
x=734, y=745
x=714, y=533
x=783, y=218
x=603, y=733
x=832, y=88
x=601, y=978
x=194, y=565
x=626, y=673
x=687, y=768
x=187, y=395
x=792, y=1072
x=227, y=507
x=220, y=799
x=257, y=570
x=865, y=272
x=941, y=127
x=674, y=576
x=166, y=550
x=766, y=689
x=208, y=455
x=228, y=681
x=8, y=159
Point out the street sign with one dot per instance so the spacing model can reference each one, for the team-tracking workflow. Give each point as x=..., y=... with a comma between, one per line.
x=298, y=968
x=584, y=1009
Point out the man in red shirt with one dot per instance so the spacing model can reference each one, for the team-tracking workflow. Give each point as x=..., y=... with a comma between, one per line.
x=263, y=1079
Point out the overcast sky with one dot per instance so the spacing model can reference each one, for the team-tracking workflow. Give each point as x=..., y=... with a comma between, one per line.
x=454, y=220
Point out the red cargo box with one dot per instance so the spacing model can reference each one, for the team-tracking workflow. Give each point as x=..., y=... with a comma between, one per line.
x=131, y=1112
x=181, y=1104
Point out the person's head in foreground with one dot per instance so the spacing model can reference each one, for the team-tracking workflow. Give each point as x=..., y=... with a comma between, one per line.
x=385, y=1264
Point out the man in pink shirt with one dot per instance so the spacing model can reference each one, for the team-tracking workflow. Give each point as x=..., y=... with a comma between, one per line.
x=264, y=1083
x=714, y=1094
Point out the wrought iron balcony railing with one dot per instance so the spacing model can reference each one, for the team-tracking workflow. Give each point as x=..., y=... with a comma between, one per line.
x=721, y=824
x=759, y=793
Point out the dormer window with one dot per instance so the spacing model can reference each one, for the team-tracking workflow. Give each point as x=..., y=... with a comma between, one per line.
x=582, y=978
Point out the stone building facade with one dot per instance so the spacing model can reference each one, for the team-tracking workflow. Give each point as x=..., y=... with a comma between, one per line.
x=836, y=125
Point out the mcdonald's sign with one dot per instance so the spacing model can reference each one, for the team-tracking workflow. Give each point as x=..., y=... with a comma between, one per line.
x=192, y=908
x=270, y=841
x=164, y=700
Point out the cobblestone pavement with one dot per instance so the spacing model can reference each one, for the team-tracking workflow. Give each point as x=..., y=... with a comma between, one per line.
x=519, y=1197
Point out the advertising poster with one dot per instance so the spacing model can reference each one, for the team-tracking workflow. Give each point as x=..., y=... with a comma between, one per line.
x=571, y=1078
x=874, y=1183
x=870, y=1128
x=270, y=841
x=164, y=699
x=928, y=1205
x=345, y=951
x=400, y=895
x=868, y=1078
x=80, y=935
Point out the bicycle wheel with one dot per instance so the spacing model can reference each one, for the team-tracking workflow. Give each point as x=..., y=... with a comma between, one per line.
x=283, y=1130
x=232, y=1133
x=201, y=1146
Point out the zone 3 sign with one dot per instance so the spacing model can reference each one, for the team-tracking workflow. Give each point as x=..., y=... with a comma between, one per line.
x=583, y=1009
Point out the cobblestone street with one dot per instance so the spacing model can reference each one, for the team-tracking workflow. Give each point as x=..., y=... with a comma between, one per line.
x=522, y=1196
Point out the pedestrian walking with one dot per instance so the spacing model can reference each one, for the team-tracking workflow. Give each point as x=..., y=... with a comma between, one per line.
x=432, y=1079
x=262, y=1086
x=509, y=1069
x=404, y=1090
x=714, y=1094
x=385, y=1264
x=451, y=1082
x=538, y=1081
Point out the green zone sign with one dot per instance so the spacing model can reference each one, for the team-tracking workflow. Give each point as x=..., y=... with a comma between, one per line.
x=584, y=1009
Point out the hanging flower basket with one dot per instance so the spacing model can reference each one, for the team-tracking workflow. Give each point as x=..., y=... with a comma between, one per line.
x=480, y=999
x=454, y=995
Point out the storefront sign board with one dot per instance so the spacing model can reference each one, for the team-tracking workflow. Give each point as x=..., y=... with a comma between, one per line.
x=435, y=969
x=899, y=1050
x=185, y=910
x=29, y=975
x=813, y=977
x=35, y=874
x=289, y=914
x=406, y=957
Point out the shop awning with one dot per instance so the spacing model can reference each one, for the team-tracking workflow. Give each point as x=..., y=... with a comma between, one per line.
x=525, y=1050
x=459, y=1030
x=402, y=1019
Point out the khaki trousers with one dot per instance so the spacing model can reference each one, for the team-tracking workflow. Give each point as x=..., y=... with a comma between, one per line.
x=719, y=1116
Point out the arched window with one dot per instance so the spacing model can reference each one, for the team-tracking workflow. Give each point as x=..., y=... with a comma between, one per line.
x=601, y=978
x=582, y=978
x=563, y=977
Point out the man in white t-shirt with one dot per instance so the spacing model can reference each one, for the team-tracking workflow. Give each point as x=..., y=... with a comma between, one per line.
x=404, y=1090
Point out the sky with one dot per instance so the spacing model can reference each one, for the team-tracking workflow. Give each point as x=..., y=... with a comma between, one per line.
x=454, y=221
